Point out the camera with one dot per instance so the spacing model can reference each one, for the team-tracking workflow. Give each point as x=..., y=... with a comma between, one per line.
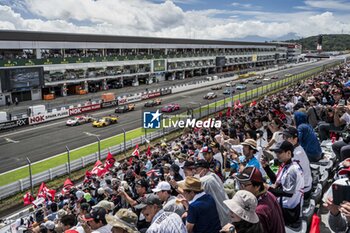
x=341, y=192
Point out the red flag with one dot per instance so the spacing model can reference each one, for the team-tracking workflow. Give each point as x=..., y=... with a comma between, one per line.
x=28, y=198
x=228, y=113
x=130, y=161
x=45, y=192
x=99, y=169
x=315, y=224
x=220, y=114
x=252, y=104
x=110, y=160
x=148, y=152
x=136, y=152
x=237, y=104
x=67, y=185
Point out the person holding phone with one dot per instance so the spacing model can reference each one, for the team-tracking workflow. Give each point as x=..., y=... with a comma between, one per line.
x=339, y=216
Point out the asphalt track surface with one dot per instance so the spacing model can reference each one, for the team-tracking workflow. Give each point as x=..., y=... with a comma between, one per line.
x=45, y=140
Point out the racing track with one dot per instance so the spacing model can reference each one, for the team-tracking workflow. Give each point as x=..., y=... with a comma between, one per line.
x=45, y=140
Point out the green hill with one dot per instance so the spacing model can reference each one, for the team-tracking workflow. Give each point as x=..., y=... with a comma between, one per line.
x=332, y=42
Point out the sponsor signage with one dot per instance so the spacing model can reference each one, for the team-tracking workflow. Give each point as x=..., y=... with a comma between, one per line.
x=13, y=124
x=165, y=92
x=48, y=117
x=153, y=94
x=122, y=100
x=133, y=98
x=83, y=109
x=109, y=104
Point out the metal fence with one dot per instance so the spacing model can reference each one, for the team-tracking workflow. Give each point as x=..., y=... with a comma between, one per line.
x=198, y=111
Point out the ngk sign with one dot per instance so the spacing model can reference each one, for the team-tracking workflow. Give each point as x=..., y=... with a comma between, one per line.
x=47, y=117
x=80, y=110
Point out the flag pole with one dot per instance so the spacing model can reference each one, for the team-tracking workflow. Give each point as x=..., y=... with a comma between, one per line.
x=30, y=175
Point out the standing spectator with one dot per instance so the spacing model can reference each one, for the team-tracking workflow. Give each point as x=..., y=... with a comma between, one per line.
x=214, y=164
x=202, y=216
x=161, y=221
x=242, y=207
x=123, y=221
x=313, y=115
x=289, y=185
x=268, y=209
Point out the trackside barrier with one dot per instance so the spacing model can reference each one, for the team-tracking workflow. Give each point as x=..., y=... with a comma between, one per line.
x=198, y=111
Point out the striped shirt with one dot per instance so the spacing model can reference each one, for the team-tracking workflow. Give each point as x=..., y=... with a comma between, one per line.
x=166, y=222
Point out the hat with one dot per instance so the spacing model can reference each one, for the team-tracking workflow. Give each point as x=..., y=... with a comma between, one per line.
x=283, y=146
x=107, y=205
x=250, y=174
x=250, y=142
x=344, y=171
x=61, y=213
x=188, y=164
x=162, y=186
x=149, y=199
x=142, y=183
x=207, y=149
x=311, y=99
x=50, y=225
x=79, y=194
x=125, y=219
x=291, y=132
x=87, y=197
x=243, y=204
x=175, y=168
x=85, y=206
x=192, y=184
x=97, y=213
x=181, y=156
x=167, y=165
x=100, y=191
x=201, y=163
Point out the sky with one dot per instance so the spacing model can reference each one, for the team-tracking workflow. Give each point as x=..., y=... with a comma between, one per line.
x=196, y=19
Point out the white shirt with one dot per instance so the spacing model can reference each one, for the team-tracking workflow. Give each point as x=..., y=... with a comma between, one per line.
x=104, y=229
x=166, y=222
x=300, y=155
x=346, y=117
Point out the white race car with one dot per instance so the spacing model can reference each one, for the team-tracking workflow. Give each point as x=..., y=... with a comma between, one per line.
x=79, y=120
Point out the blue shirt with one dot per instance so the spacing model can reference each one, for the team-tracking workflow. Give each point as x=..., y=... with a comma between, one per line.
x=253, y=162
x=203, y=214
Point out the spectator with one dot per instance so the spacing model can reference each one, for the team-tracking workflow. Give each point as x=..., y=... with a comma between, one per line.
x=268, y=209
x=202, y=216
x=300, y=157
x=68, y=223
x=249, y=150
x=96, y=221
x=217, y=153
x=49, y=226
x=161, y=221
x=307, y=137
x=123, y=221
x=312, y=113
x=289, y=185
x=242, y=207
x=214, y=164
x=275, y=127
x=163, y=190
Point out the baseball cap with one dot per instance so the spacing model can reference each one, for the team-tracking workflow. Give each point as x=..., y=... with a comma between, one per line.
x=345, y=171
x=207, y=149
x=85, y=206
x=283, y=146
x=149, y=199
x=142, y=183
x=244, y=204
x=291, y=132
x=107, y=205
x=50, y=225
x=250, y=174
x=97, y=213
x=162, y=186
x=188, y=164
x=250, y=142
x=125, y=219
x=201, y=163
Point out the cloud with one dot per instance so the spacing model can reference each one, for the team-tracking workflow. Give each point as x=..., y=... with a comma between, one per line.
x=163, y=19
x=340, y=5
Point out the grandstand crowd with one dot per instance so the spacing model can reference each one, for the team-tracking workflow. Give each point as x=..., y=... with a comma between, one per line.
x=251, y=175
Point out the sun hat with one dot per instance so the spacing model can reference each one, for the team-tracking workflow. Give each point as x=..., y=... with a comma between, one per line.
x=107, y=205
x=250, y=142
x=191, y=184
x=244, y=204
x=125, y=219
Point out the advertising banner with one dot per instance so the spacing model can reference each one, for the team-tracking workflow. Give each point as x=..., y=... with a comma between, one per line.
x=83, y=109
x=153, y=94
x=109, y=104
x=165, y=92
x=122, y=100
x=133, y=98
x=13, y=124
x=48, y=117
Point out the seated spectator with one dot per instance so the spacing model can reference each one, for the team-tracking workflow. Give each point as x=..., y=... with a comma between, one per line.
x=289, y=185
x=249, y=150
x=214, y=164
x=202, y=216
x=307, y=137
x=161, y=221
x=123, y=221
x=312, y=112
x=275, y=127
x=96, y=221
x=244, y=219
x=268, y=209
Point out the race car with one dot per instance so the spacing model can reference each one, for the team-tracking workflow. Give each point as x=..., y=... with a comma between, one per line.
x=230, y=84
x=104, y=121
x=170, y=108
x=274, y=77
x=252, y=79
x=210, y=95
x=216, y=88
x=125, y=108
x=266, y=79
x=241, y=87
x=257, y=82
x=227, y=92
x=153, y=103
x=245, y=81
x=79, y=120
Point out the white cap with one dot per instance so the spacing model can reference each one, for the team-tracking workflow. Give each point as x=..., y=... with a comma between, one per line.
x=162, y=186
x=100, y=191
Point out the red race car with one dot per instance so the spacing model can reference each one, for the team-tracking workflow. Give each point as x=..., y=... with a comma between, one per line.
x=170, y=108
